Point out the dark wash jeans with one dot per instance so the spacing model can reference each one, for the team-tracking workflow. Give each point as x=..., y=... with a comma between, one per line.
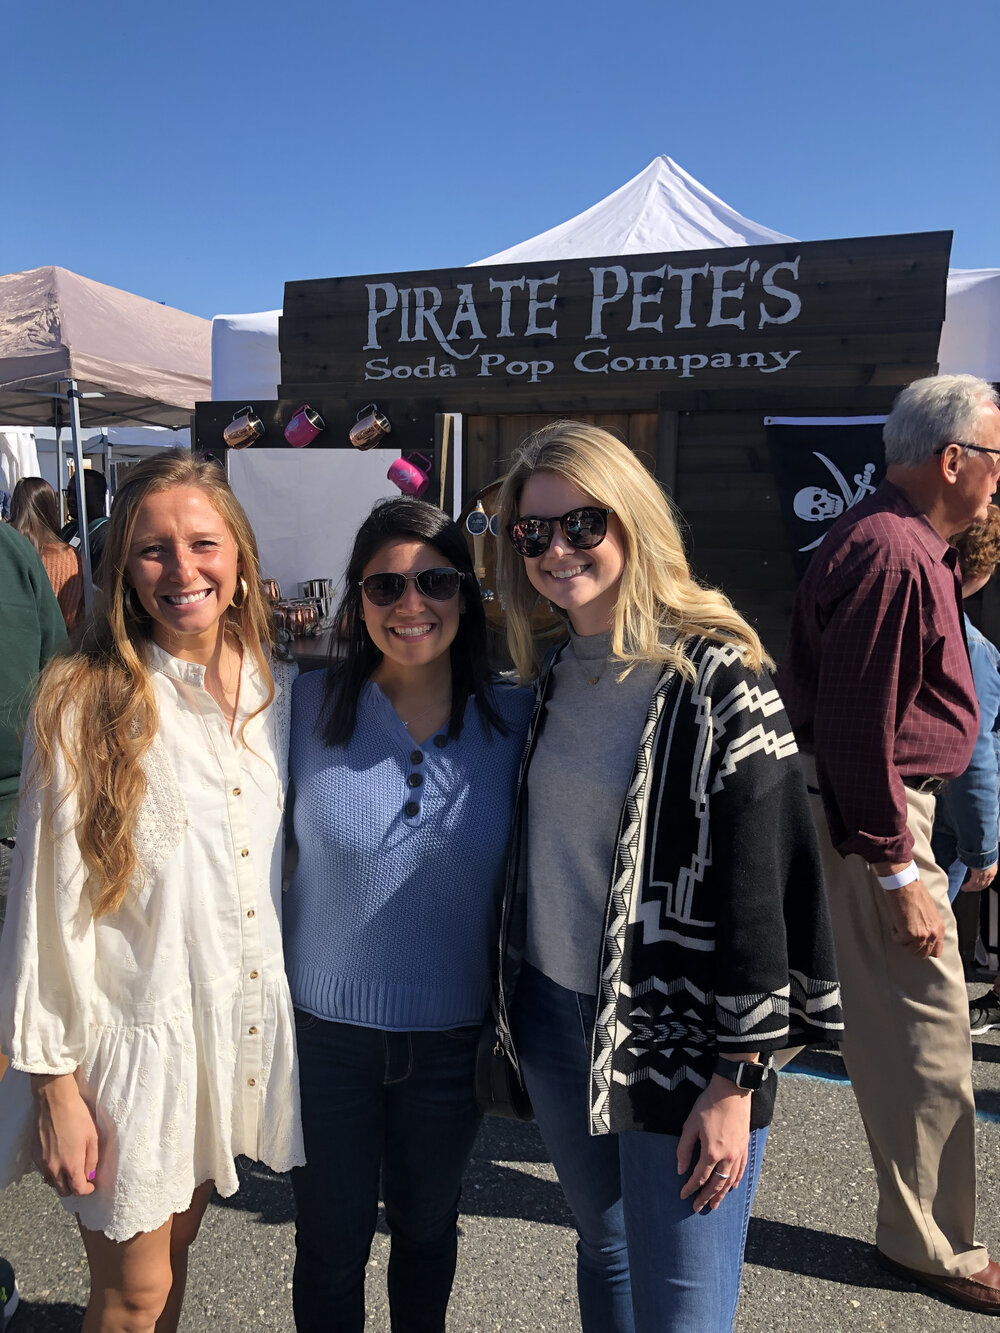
x=403, y=1102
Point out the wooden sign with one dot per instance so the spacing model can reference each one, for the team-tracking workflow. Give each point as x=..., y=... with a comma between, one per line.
x=829, y=313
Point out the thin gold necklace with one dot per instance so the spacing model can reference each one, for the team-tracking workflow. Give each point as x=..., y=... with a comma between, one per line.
x=587, y=672
x=424, y=711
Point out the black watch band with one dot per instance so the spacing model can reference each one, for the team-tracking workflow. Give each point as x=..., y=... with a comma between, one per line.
x=745, y=1074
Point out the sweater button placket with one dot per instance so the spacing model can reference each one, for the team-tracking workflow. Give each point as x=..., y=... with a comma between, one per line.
x=414, y=780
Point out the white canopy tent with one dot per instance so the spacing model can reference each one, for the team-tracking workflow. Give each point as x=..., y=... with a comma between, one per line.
x=970, y=336
x=116, y=446
x=246, y=362
x=663, y=209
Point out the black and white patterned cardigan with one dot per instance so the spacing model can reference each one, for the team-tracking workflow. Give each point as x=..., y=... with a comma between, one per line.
x=717, y=936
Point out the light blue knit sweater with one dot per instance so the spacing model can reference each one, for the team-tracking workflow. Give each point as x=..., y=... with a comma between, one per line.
x=392, y=914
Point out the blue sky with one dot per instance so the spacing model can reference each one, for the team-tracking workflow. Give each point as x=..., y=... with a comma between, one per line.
x=204, y=153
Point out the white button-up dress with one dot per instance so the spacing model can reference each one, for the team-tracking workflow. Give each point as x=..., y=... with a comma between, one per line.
x=174, y=1011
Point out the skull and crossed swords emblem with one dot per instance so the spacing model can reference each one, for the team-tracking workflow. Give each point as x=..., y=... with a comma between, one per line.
x=814, y=503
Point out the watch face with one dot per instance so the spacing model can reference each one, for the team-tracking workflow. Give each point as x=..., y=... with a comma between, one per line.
x=751, y=1076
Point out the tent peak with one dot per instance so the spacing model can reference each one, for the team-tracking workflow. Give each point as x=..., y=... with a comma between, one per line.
x=663, y=208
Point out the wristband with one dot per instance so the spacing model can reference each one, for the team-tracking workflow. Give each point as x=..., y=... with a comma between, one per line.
x=905, y=876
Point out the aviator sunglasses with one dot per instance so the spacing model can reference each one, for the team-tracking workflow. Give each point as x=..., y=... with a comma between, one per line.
x=583, y=528
x=439, y=584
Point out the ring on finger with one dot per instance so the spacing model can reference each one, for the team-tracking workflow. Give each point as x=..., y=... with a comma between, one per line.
x=723, y=1174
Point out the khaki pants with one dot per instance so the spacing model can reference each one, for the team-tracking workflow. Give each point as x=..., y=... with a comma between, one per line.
x=908, y=1053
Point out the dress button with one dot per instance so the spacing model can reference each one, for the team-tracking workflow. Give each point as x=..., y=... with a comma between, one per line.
x=237, y=791
x=254, y=976
x=411, y=808
x=251, y=912
x=417, y=757
x=251, y=1082
x=253, y=1032
x=245, y=851
x=440, y=741
x=414, y=780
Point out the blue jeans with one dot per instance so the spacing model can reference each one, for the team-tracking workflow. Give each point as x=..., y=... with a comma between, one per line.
x=403, y=1102
x=646, y=1262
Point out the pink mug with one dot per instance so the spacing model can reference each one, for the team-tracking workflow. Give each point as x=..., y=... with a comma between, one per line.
x=303, y=427
x=408, y=477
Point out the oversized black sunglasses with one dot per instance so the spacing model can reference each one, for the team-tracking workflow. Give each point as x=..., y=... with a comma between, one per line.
x=439, y=584
x=583, y=528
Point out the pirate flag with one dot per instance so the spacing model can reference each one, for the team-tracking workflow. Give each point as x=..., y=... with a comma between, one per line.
x=823, y=465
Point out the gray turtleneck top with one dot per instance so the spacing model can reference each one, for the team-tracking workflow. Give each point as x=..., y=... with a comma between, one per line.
x=577, y=781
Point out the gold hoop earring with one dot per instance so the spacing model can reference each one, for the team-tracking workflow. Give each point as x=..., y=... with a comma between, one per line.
x=243, y=587
x=133, y=612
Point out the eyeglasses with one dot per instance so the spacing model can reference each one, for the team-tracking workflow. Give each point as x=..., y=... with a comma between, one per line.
x=440, y=585
x=979, y=448
x=583, y=528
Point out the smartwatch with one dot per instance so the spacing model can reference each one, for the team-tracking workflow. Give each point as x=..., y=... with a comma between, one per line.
x=747, y=1074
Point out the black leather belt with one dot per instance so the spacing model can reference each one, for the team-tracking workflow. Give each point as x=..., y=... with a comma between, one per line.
x=930, y=786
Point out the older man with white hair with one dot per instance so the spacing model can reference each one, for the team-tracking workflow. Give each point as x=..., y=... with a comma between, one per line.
x=879, y=689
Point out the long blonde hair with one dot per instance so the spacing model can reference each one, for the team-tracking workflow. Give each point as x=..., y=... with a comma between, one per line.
x=95, y=703
x=660, y=606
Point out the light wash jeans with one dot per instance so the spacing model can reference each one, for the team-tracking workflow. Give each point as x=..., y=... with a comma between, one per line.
x=646, y=1262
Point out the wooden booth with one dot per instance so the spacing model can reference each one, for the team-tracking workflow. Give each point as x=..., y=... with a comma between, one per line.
x=684, y=355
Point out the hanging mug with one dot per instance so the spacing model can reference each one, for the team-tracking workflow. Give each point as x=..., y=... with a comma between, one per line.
x=245, y=427
x=408, y=477
x=303, y=427
x=369, y=428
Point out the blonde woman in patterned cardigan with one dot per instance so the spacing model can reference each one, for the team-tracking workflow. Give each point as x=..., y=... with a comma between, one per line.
x=664, y=923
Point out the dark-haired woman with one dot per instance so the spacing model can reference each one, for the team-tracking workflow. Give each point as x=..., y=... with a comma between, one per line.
x=404, y=763
x=34, y=514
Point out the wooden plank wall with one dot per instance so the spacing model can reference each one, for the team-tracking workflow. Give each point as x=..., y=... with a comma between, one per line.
x=489, y=441
x=857, y=313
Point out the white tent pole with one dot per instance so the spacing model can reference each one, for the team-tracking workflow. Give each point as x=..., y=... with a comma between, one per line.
x=73, y=393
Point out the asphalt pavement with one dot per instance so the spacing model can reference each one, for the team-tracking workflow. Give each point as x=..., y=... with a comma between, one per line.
x=809, y=1265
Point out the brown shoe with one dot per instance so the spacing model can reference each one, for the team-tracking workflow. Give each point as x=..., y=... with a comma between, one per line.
x=980, y=1291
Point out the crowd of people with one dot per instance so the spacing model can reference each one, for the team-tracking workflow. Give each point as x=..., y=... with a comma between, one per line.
x=260, y=915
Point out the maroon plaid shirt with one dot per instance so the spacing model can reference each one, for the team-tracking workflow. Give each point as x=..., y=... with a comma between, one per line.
x=876, y=678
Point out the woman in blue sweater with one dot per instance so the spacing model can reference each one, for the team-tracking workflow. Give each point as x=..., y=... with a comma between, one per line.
x=404, y=763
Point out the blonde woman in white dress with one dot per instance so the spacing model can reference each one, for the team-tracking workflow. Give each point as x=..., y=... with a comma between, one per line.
x=142, y=993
